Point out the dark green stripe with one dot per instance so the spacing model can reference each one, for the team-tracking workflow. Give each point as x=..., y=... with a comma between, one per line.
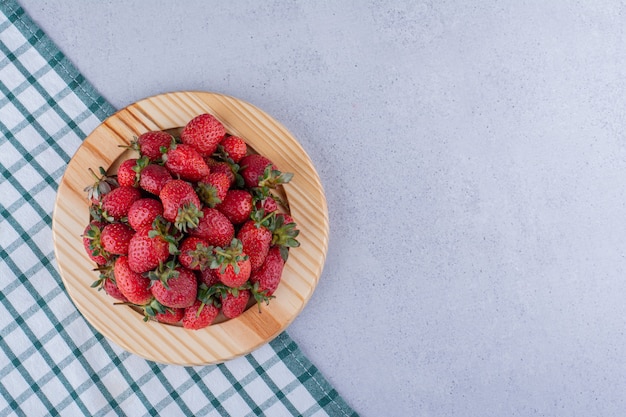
x=310, y=377
x=135, y=387
x=214, y=402
x=237, y=386
x=12, y=404
x=173, y=395
x=279, y=395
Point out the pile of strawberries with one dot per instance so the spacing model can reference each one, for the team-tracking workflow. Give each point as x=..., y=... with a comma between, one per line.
x=191, y=227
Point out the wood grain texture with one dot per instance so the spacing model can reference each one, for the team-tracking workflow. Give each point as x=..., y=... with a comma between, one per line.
x=229, y=339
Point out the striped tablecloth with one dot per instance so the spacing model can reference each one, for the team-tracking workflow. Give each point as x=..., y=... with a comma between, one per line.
x=52, y=362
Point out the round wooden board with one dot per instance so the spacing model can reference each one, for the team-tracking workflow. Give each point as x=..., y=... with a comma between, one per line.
x=226, y=340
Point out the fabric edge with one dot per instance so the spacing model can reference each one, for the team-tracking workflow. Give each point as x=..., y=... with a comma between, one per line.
x=310, y=376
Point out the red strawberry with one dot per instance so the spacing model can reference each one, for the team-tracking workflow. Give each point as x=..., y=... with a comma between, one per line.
x=214, y=228
x=256, y=239
x=203, y=132
x=234, y=305
x=116, y=203
x=143, y=212
x=179, y=290
x=212, y=189
x=267, y=278
x=286, y=218
x=237, y=206
x=259, y=171
x=199, y=315
x=110, y=287
x=171, y=316
x=228, y=275
x=284, y=234
x=106, y=279
x=223, y=167
x=231, y=264
x=153, y=178
x=188, y=245
x=115, y=238
x=126, y=174
x=152, y=144
x=148, y=248
x=208, y=277
x=102, y=185
x=234, y=147
x=134, y=286
x=268, y=204
x=253, y=167
x=92, y=244
x=185, y=161
x=181, y=204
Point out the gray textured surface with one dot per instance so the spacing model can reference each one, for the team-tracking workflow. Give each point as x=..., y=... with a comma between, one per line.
x=473, y=157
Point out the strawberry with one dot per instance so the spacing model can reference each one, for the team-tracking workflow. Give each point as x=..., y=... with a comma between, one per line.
x=265, y=280
x=171, y=315
x=134, y=286
x=151, y=246
x=92, y=244
x=110, y=287
x=106, y=275
x=199, y=315
x=223, y=167
x=253, y=167
x=115, y=238
x=234, y=276
x=266, y=203
x=204, y=132
x=259, y=171
x=231, y=264
x=237, y=206
x=106, y=281
x=186, y=248
x=153, y=144
x=233, y=147
x=185, y=161
x=284, y=234
x=233, y=305
x=102, y=185
x=286, y=218
x=208, y=277
x=256, y=238
x=153, y=178
x=214, y=228
x=116, y=203
x=181, y=204
x=212, y=189
x=126, y=174
x=178, y=290
x=143, y=212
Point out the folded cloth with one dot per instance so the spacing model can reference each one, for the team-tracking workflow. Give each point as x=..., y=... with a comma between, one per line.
x=52, y=362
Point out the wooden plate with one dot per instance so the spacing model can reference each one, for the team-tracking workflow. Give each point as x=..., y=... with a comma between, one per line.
x=219, y=342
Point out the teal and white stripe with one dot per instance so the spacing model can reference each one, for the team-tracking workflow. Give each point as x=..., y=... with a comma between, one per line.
x=51, y=361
